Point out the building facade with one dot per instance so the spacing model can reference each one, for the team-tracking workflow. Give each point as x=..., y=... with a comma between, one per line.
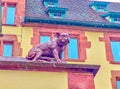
x=92, y=56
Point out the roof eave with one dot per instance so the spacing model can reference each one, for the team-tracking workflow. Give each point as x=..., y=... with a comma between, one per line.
x=72, y=22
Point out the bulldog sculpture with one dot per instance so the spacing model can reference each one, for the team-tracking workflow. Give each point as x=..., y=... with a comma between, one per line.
x=50, y=51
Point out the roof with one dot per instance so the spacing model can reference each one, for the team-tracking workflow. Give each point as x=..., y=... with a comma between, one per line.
x=77, y=10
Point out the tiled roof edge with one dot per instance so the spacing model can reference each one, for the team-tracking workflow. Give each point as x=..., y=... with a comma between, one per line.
x=72, y=22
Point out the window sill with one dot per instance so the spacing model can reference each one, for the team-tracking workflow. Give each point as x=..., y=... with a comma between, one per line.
x=19, y=63
x=115, y=62
x=75, y=60
x=9, y=25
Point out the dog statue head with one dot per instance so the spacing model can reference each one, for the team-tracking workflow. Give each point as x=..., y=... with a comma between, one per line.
x=62, y=39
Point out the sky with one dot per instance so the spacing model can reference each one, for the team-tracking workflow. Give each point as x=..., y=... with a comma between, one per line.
x=108, y=0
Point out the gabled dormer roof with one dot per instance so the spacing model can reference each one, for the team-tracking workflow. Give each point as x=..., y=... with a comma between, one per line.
x=98, y=3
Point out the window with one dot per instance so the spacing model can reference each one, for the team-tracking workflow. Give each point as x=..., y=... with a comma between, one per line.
x=113, y=17
x=115, y=45
x=118, y=84
x=10, y=15
x=44, y=39
x=112, y=46
x=63, y=55
x=57, y=15
x=7, y=50
x=101, y=9
x=2, y=10
x=9, y=46
x=115, y=79
x=117, y=20
x=99, y=6
x=8, y=11
x=73, y=49
x=50, y=3
x=56, y=12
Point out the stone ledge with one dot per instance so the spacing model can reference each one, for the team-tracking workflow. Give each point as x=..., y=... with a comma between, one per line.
x=19, y=63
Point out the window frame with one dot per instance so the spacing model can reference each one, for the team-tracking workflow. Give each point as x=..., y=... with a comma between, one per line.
x=78, y=39
x=17, y=51
x=5, y=12
x=2, y=7
x=60, y=12
x=51, y=4
x=97, y=5
x=115, y=60
x=115, y=76
x=116, y=20
x=9, y=6
x=8, y=42
x=45, y=34
x=101, y=8
x=108, y=37
x=57, y=15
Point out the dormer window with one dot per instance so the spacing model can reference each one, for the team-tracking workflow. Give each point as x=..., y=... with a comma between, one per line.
x=50, y=3
x=113, y=17
x=117, y=20
x=57, y=15
x=99, y=6
x=55, y=12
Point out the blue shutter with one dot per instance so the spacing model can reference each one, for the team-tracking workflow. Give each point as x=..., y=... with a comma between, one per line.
x=44, y=39
x=10, y=15
x=7, y=50
x=73, y=49
x=115, y=45
x=118, y=84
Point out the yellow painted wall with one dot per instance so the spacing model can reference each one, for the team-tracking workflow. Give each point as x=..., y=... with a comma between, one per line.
x=95, y=55
x=32, y=80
